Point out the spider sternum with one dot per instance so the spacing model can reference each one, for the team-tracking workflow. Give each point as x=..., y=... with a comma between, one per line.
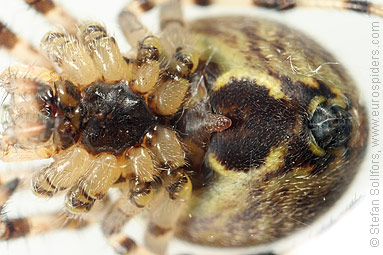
x=113, y=118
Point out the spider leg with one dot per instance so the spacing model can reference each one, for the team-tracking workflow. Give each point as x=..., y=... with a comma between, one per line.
x=176, y=188
x=133, y=30
x=165, y=95
x=353, y=5
x=72, y=57
x=172, y=25
x=55, y=14
x=165, y=149
x=132, y=202
x=146, y=5
x=98, y=176
x=145, y=68
x=13, y=180
x=21, y=49
x=166, y=209
x=65, y=170
x=37, y=224
x=22, y=175
x=93, y=56
x=176, y=42
x=6, y=191
x=104, y=52
x=20, y=227
x=140, y=6
x=126, y=246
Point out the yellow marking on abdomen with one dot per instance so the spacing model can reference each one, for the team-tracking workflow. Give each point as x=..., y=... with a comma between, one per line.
x=260, y=78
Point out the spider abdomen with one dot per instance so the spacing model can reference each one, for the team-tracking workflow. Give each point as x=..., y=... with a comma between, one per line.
x=267, y=175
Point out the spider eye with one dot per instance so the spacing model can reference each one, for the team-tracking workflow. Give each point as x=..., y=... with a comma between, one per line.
x=330, y=126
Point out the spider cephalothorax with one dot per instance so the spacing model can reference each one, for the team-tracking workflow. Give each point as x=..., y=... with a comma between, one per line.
x=93, y=117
